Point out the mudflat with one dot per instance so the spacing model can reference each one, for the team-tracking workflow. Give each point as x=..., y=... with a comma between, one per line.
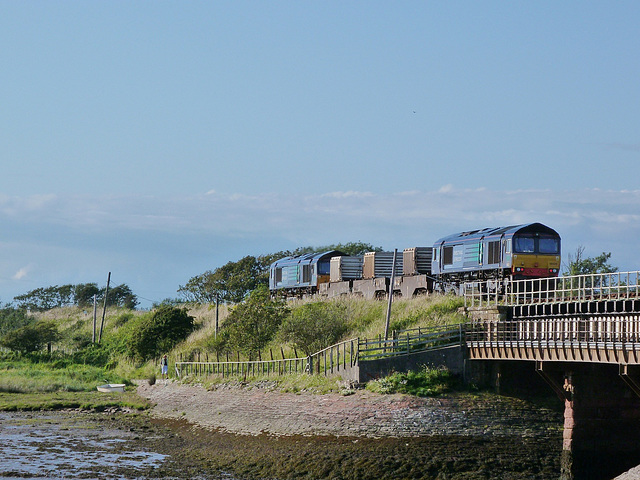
x=263, y=433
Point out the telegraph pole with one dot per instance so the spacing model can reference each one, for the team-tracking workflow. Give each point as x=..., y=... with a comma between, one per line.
x=104, y=308
x=94, y=319
x=393, y=279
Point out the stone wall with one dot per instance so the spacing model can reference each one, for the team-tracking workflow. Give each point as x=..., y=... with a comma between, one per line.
x=450, y=357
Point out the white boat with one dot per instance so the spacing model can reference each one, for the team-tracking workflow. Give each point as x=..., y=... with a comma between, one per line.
x=111, y=387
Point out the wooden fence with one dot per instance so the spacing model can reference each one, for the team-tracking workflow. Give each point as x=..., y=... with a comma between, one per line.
x=335, y=358
x=285, y=366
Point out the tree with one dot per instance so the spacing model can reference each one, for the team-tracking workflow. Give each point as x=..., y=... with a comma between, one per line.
x=159, y=332
x=12, y=318
x=251, y=325
x=84, y=293
x=314, y=326
x=30, y=338
x=122, y=296
x=42, y=299
x=579, y=265
x=229, y=283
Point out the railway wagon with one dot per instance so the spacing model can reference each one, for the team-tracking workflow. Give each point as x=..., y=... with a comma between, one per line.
x=302, y=274
x=518, y=252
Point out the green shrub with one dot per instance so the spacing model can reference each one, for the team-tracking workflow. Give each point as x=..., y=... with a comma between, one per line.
x=426, y=382
x=159, y=332
x=314, y=326
x=251, y=325
x=30, y=338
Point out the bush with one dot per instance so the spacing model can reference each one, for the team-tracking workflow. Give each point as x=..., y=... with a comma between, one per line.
x=30, y=338
x=253, y=324
x=427, y=382
x=314, y=326
x=159, y=332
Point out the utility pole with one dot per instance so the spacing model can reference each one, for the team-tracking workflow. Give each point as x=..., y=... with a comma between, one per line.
x=93, y=340
x=104, y=308
x=217, y=305
x=393, y=279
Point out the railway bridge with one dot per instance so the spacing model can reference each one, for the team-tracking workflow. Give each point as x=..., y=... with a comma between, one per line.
x=581, y=335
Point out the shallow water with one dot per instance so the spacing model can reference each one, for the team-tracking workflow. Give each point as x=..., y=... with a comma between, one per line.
x=52, y=445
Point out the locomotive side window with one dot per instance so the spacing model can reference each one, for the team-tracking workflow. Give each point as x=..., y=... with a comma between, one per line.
x=306, y=274
x=524, y=244
x=447, y=256
x=549, y=245
x=494, y=252
x=278, y=274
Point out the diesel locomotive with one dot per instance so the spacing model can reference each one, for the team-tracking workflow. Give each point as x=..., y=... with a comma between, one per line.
x=514, y=252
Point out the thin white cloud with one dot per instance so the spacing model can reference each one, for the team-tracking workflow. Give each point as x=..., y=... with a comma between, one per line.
x=21, y=273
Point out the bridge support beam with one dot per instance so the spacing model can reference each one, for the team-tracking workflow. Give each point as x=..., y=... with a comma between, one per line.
x=601, y=437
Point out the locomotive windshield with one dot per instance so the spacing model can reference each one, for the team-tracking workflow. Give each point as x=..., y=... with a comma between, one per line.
x=549, y=245
x=524, y=244
x=531, y=244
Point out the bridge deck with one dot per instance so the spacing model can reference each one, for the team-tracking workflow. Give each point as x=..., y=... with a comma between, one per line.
x=613, y=338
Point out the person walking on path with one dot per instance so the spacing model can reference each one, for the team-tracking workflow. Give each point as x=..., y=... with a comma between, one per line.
x=164, y=364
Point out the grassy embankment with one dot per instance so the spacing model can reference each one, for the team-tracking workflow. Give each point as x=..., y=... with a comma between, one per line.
x=68, y=377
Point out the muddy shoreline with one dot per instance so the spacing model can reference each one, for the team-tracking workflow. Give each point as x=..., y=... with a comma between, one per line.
x=262, y=433
x=236, y=432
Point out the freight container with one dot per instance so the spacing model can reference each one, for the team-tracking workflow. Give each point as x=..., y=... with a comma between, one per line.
x=380, y=264
x=345, y=268
x=417, y=260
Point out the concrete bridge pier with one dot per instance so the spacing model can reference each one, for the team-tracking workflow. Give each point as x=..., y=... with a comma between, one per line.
x=601, y=436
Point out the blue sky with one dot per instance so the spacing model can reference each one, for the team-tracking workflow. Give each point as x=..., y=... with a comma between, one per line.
x=158, y=140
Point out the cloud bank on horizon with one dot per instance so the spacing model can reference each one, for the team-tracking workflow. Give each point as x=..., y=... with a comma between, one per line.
x=155, y=244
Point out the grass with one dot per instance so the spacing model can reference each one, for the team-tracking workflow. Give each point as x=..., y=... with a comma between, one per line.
x=317, y=384
x=426, y=382
x=25, y=376
x=11, y=402
x=57, y=384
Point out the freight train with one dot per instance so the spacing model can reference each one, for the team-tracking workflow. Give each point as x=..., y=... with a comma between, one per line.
x=514, y=252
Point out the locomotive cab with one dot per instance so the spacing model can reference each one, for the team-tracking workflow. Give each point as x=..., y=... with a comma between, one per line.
x=536, y=252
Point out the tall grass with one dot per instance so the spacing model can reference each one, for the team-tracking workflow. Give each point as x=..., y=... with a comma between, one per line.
x=25, y=376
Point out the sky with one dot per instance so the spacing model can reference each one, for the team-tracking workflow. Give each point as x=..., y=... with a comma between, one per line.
x=157, y=140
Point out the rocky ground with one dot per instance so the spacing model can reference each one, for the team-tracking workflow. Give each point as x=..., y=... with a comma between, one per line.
x=254, y=410
x=257, y=432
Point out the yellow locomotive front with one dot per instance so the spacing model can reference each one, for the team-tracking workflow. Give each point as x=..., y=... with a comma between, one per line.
x=535, y=255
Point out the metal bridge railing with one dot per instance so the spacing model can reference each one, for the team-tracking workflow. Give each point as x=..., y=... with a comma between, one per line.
x=598, y=338
x=614, y=328
x=411, y=341
x=575, y=289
